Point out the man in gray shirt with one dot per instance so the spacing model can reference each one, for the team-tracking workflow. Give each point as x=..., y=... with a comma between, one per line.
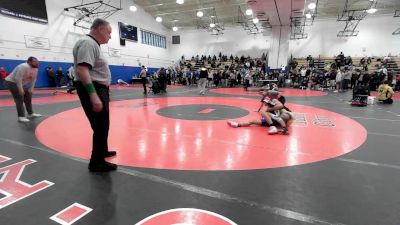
x=21, y=83
x=92, y=81
x=143, y=75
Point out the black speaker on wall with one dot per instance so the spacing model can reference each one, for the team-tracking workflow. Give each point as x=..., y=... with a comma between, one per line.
x=122, y=42
x=176, y=40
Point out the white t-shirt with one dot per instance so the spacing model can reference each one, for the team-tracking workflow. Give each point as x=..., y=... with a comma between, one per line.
x=71, y=73
x=303, y=72
x=23, y=73
x=339, y=76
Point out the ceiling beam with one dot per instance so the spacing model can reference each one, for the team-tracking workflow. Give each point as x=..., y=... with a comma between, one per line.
x=196, y=9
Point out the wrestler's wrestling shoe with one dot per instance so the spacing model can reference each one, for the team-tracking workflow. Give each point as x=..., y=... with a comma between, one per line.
x=272, y=130
x=233, y=124
x=285, y=130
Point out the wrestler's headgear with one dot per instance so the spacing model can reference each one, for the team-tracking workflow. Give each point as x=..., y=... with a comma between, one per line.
x=268, y=101
x=272, y=94
x=274, y=87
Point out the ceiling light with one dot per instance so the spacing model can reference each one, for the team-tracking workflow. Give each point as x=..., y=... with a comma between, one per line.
x=200, y=14
x=312, y=5
x=158, y=19
x=175, y=28
x=133, y=8
x=212, y=25
x=249, y=12
x=308, y=15
x=180, y=2
x=255, y=20
x=371, y=10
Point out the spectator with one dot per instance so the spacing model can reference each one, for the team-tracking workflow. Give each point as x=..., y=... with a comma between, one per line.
x=71, y=77
x=366, y=77
x=346, y=78
x=189, y=76
x=341, y=58
x=210, y=79
x=60, y=77
x=303, y=72
x=348, y=61
x=385, y=93
x=203, y=80
x=390, y=79
x=339, y=81
x=143, y=76
x=232, y=78
x=281, y=79
x=383, y=72
x=397, y=88
x=247, y=80
x=3, y=75
x=168, y=73
x=51, y=76
x=310, y=60
x=162, y=78
x=354, y=77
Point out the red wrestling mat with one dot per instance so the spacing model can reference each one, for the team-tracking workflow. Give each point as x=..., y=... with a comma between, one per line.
x=59, y=96
x=144, y=138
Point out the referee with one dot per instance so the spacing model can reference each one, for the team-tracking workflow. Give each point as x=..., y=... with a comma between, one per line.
x=92, y=81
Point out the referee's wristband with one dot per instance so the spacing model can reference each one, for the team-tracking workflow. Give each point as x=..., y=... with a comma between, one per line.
x=90, y=88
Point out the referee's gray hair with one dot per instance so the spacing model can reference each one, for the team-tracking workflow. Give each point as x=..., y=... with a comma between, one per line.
x=99, y=23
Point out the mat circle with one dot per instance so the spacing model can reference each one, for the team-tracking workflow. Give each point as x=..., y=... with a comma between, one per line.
x=202, y=112
x=143, y=138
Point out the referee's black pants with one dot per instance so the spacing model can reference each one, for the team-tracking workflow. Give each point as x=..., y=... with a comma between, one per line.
x=99, y=121
x=144, y=81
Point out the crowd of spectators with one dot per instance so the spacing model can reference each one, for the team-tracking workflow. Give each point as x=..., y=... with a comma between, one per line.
x=222, y=71
x=342, y=75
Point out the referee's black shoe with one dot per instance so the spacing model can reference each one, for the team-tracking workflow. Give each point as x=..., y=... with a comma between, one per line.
x=110, y=154
x=102, y=167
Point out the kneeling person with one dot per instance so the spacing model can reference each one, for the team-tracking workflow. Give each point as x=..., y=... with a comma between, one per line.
x=276, y=114
x=385, y=93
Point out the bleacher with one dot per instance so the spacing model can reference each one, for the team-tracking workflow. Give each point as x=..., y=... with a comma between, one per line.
x=197, y=65
x=322, y=61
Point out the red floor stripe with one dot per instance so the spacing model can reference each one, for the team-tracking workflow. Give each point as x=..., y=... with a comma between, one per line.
x=205, y=111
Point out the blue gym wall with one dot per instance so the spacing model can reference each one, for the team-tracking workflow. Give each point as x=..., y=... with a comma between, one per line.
x=118, y=72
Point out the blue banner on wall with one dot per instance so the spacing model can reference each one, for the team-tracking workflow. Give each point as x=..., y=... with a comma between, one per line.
x=118, y=72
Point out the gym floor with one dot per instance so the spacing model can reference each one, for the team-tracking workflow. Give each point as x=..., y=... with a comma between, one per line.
x=181, y=164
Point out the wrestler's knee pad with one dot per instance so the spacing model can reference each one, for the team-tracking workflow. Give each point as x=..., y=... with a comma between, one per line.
x=279, y=120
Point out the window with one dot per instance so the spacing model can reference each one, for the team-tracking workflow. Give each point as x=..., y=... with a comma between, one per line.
x=153, y=39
